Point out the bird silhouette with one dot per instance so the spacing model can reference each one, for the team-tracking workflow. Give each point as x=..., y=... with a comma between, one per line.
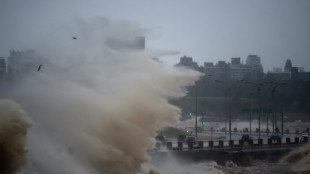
x=74, y=38
x=39, y=68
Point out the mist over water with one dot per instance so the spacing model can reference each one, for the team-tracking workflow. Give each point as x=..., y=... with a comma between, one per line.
x=95, y=107
x=172, y=164
x=299, y=158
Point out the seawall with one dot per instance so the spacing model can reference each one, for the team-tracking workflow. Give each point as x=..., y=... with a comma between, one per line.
x=241, y=157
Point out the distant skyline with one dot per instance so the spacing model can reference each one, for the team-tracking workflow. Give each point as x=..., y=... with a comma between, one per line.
x=207, y=31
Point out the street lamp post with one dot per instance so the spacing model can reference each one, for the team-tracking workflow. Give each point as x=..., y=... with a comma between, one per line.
x=229, y=116
x=250, y=113
x=229, y=91
x=273, y=108
x=260, y=110
x=267, y=117
x=226, y=105
x=258, y=88
x=274, y=101
x=202, y=115
x=282, y=126
x=196, y=84
x=267, y=130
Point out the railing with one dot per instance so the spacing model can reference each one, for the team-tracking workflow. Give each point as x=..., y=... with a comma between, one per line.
x=230, y=144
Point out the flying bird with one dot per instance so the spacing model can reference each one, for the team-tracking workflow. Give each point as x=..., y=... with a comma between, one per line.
x=74, y=38
x=39, y=68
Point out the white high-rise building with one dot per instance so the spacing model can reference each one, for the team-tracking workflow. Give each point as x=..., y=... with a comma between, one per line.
x=254, y=62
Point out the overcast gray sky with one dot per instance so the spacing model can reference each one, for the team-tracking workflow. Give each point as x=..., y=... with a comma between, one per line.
x=206, y=30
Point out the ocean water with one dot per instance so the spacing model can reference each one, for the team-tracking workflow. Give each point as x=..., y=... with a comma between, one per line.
x=296, y=162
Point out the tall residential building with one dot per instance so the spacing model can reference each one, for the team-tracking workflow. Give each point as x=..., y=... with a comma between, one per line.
x=239, y=71
x=218, y=71
x=254, y=61
x=2, y=67
x=288, y=66
x=22, y=62
x=257, y=69
x=235, y=60
x=222, y=63
x=187, y=62
x=208, y=64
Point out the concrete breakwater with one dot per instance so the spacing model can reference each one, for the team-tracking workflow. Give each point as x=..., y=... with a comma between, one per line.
x=241, y=157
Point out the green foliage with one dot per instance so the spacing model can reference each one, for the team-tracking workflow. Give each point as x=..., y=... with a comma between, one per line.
x=213, y=99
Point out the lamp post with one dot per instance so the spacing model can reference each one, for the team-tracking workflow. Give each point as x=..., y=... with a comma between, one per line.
x=202, y=114
x=260, y=109
x=250, y=95
x=266, y=113
x=258, y=88
x=196, y=84
x=226, y=106
x=274, y=105
x=229, y=88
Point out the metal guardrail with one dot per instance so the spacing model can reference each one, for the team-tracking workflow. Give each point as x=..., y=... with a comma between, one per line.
x=230, y=144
